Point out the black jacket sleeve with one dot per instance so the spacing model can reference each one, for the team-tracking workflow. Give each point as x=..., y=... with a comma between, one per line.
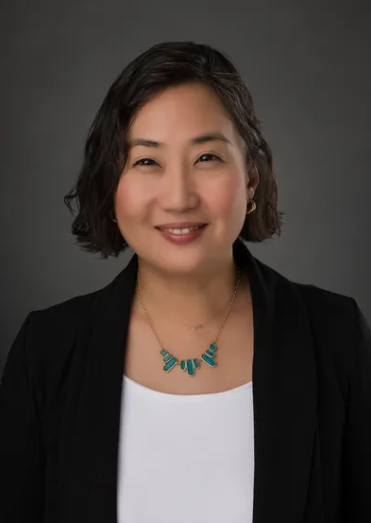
x=21, y=450
x=357, y=458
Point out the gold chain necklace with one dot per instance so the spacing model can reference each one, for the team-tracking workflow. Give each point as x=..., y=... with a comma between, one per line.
x=187, y=325
x=208, y=357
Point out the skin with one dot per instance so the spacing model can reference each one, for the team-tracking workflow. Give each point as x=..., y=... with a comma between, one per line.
x=184, y=181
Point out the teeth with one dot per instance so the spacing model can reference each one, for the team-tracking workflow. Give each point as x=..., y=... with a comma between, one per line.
x=183, y=231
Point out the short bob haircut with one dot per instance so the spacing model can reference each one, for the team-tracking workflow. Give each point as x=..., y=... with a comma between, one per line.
x=164, y=65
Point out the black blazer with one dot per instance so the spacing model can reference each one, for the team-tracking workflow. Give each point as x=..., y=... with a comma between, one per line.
x=61, y=391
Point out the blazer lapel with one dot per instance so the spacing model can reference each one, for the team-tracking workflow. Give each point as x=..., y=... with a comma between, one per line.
x=92, y=491
x=284, y=388
x=285, y=400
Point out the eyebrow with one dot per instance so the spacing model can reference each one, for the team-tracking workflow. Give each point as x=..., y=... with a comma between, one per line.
x=204, y=138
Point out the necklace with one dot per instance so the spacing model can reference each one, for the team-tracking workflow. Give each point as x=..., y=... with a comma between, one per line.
x=187, y=325
x=208, y=357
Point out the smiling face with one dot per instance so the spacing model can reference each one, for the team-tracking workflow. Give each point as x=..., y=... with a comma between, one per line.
x=186, y=165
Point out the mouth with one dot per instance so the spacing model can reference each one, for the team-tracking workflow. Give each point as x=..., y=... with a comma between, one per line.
x=182, y=234
x=177, y=230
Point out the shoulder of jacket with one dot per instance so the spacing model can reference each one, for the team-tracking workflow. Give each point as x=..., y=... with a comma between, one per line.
x=69, y=308
x=324, y=298
x=333, y=315
x=49, y=334
x=317, y=299
x=334, y=321
x=48, y=340
x=61, y=318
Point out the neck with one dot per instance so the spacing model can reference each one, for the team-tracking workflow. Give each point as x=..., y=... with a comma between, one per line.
x=187, y=298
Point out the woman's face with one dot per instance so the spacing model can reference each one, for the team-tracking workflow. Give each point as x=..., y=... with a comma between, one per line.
x=186, y=165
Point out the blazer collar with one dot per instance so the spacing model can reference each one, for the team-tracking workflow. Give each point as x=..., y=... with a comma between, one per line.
x=284, y=391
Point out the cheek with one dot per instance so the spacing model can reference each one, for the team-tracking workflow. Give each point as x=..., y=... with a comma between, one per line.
x=130, y=200
x=229, y=196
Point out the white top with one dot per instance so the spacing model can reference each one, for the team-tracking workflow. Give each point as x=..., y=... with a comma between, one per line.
x=185, y=458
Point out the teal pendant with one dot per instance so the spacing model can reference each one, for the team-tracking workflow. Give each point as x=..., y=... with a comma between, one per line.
x=189, y=365
x=209, y=355
x=207, y=359
x=170, y=365
x=169, y=359
x=190, y=368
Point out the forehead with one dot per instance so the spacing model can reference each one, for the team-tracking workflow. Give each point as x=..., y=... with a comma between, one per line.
x=180, y=112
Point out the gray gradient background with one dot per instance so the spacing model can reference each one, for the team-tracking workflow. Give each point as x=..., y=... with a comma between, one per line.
x=308, y=67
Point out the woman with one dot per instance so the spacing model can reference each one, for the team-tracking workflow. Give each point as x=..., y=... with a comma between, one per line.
x=135, y=403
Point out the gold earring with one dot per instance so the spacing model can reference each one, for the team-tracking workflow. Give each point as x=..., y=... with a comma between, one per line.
x=253, y=207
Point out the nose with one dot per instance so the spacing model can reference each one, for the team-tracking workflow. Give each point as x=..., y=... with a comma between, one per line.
x=178, y=191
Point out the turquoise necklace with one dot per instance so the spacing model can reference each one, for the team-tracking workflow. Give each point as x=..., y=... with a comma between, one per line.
x=208, y=357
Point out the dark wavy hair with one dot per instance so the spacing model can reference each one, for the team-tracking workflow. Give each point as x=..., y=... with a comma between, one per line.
x=106, y=149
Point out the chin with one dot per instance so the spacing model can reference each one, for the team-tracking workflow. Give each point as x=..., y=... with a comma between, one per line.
x=181, y=262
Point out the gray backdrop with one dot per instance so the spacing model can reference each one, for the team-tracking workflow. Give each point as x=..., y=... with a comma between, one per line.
x=308, y=67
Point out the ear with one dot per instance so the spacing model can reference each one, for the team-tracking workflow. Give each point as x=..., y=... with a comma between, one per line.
x=253, y=179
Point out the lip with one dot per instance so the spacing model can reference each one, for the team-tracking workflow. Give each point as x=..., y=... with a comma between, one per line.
x=183, y=239
x=180, y=225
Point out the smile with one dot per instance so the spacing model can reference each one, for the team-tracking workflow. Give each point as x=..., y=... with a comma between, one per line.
x=182, y=231
x=182, y=235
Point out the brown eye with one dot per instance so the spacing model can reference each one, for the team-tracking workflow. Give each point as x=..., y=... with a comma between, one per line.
x=145, y=162
x=209, y=157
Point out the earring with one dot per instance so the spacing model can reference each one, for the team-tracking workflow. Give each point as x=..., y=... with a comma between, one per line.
x=252, y=208
x=112, y=218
